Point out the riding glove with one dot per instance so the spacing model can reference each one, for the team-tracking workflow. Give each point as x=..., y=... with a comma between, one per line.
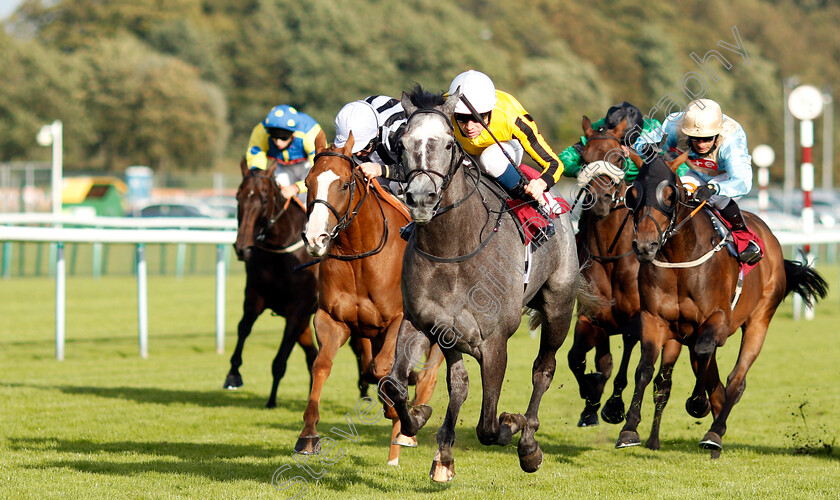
x=703, y=193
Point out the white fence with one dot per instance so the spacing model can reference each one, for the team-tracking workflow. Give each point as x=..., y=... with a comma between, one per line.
x=219, y=232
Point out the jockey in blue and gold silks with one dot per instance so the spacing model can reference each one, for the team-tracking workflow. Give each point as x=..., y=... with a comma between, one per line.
x=288, y=136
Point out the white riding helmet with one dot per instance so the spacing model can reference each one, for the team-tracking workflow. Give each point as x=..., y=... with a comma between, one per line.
x=479, y=90
x=702, y=118
x=360, y=118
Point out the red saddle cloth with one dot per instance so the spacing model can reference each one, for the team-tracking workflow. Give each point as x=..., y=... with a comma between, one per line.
x=741, y=239
x=529, y=218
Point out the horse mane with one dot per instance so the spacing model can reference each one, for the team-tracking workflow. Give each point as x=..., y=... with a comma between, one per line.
x=424, y=99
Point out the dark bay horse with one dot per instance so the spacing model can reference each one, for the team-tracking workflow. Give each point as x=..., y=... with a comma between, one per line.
x=268, y=240
x=605, y=254
x=689, y=292
x=356, y=233
x=464, y=287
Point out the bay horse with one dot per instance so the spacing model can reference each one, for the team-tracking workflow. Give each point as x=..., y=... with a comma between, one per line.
x=355, y=232
x=606, y=258
x=268, y=241
x=464, y=285
x=692, y=293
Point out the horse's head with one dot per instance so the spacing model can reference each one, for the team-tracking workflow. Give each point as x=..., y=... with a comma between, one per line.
x=429, y=150
x=260, y=204
x=603, y=173
x=654, y=198
x=331, y=184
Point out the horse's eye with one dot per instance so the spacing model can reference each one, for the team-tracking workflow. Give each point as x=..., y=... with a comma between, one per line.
x=450, y=146
x=345, y=186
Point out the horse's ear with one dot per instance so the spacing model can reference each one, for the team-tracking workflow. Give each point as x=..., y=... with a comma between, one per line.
x=637, y=160
x=348, y=147
x=586, y=123
x=679, y=160
x=407, y=105
x=619, y=129
x=320, y=142
x=270, y=167
x=243, y=165
x=451, y=102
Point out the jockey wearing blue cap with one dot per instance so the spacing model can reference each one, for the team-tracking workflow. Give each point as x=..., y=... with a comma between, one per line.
x=287, y=136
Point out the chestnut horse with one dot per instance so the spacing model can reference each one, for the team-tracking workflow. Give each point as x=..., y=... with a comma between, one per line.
x=691, y=292
x=268, y=240
x=356, y=234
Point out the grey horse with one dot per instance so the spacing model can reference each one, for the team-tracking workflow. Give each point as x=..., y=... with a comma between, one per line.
x=463, y=286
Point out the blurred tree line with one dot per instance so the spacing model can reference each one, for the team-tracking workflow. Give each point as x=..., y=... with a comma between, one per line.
x=178, y=85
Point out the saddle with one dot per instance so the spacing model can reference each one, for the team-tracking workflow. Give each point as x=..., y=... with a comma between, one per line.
x=533, y=226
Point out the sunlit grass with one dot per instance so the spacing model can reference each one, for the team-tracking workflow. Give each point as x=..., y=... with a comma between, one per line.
x=106, y=424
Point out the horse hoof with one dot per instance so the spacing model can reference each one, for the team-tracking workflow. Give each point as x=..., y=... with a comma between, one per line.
x=515, y=421
x=420, y=415
x=309, y=445
x=712, y=441
x=652, y=444
x=698, y=407
x=233, y=382
x=588, y=419
x=271, y=404
x=532, y=461
x=407, y=441
x=627, y=439
x=613, y=411
x=442, y=472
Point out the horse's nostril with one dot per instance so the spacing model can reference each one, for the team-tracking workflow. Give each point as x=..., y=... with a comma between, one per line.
x=409, y=199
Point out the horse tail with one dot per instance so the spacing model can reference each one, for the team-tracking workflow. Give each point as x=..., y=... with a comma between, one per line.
x=588, y=300
x=805, y=281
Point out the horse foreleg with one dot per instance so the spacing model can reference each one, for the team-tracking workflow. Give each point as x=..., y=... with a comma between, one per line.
x=613, y=411
x=662, y=389
x=586, y=337
x=362, y=349
x=293, y=330
x=751, y=343
x=307, y=343
x=393, y=389
x=252, y=308
x=331, y=336
x=383, y=361
x=457, y=381
x=654, y=332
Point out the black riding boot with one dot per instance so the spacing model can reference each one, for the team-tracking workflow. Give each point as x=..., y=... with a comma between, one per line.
x=732, y=214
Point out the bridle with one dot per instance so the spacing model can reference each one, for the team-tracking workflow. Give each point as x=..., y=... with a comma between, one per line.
x=344, y=220
x=276, y=193
x=456, y=160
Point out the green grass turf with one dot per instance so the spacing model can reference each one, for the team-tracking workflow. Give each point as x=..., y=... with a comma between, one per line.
x=106, y=424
